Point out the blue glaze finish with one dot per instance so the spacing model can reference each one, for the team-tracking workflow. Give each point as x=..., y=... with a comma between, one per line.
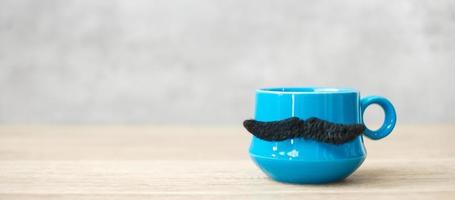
x=309, y=161
x=390, y=116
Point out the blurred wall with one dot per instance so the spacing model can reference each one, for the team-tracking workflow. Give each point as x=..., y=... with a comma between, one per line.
x=199, y=61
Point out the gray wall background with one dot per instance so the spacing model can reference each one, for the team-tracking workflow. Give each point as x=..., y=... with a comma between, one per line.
x=199, y=61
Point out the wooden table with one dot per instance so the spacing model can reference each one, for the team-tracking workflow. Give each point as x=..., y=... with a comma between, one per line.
x=153, y=162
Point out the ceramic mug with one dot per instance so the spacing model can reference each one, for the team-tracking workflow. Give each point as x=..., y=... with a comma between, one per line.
x=308, y=161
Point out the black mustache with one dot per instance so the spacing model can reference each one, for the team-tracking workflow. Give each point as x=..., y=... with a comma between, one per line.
x=312, y=128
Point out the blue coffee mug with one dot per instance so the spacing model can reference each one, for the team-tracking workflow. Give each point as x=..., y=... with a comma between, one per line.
x=308, y=161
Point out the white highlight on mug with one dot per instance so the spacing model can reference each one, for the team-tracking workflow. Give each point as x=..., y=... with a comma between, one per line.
x=293, y=106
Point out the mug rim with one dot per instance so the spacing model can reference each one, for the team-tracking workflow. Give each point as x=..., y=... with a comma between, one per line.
x=307, y=90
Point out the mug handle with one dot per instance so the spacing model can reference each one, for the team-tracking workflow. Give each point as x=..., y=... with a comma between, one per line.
x=389, y=113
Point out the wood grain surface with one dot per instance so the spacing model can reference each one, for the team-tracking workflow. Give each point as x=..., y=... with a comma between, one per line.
x=156, y=162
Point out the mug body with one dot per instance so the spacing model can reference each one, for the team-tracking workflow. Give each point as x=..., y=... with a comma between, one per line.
x=307, y=161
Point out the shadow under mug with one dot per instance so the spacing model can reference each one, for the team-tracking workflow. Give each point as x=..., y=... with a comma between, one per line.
x=307, y=161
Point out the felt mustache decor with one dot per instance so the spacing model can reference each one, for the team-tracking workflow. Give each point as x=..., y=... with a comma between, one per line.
x=312, y=128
